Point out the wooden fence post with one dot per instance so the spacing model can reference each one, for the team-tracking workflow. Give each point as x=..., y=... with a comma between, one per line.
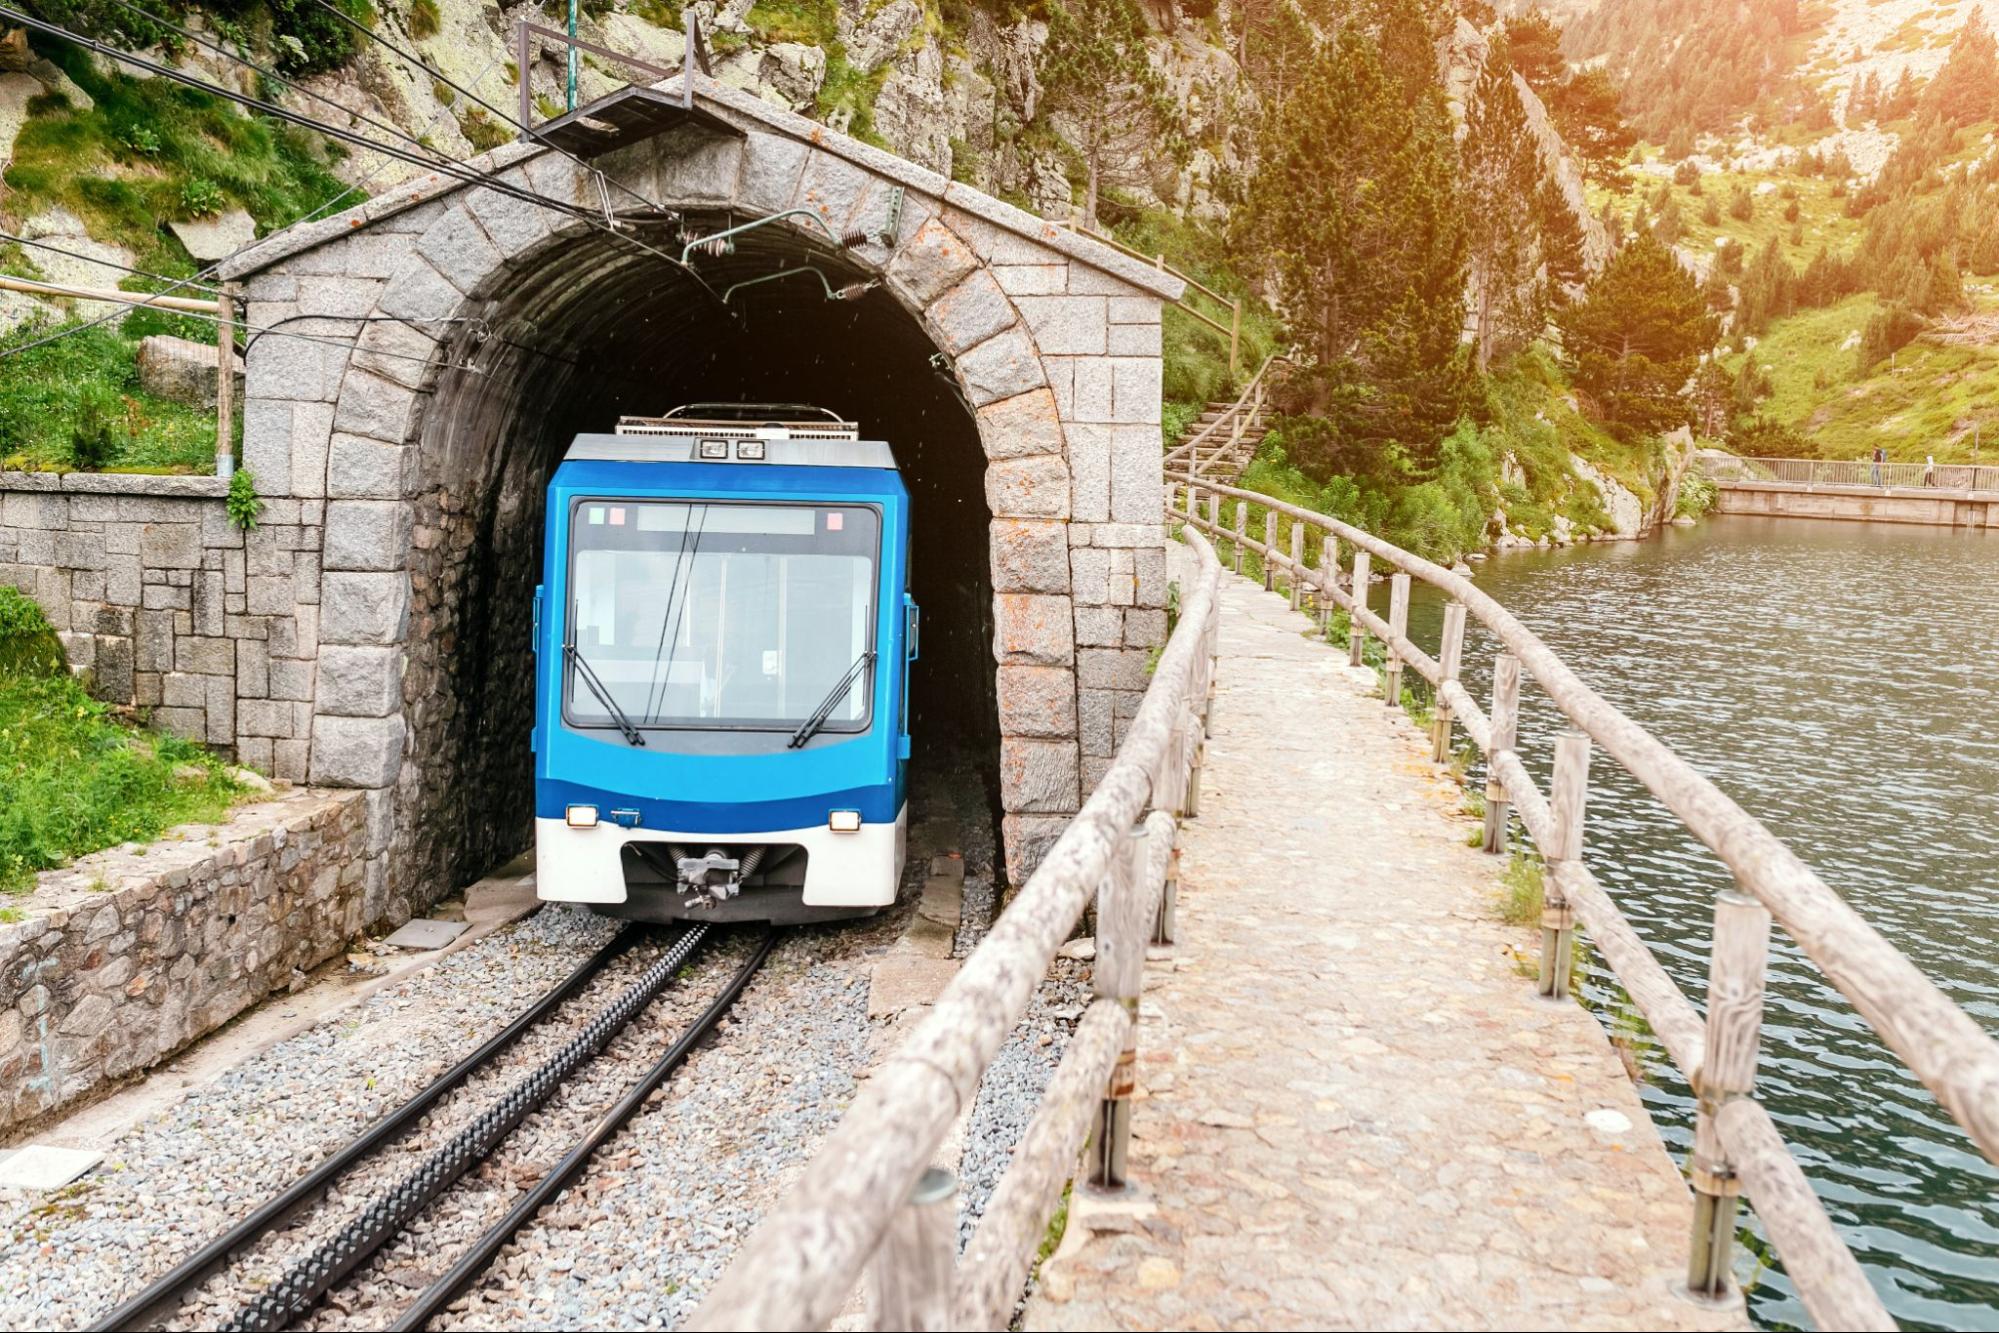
x=1568, y=794
x=1505, y=721
x=1297, y=563
x=1356, y=632
x=1398, y=625
x=1241, y=526
x=1329, y=564
x=1235, y=340
x=1269, y=549
x=1118, y=974
x=1736, y=964
x=225, y=381
x=1214, y=513
x=1163, y=925
x=1449, y=651
x=1190, y=795
x=916, y=1267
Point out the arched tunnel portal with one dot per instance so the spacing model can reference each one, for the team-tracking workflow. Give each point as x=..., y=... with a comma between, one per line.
x=1013, y=367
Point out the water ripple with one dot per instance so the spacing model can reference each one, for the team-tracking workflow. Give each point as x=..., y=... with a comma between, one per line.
x=1837, y=680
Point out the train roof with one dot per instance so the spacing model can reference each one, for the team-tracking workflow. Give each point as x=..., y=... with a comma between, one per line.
x=777, y=451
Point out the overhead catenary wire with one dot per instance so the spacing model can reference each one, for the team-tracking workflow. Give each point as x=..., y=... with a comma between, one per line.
x=385, y=163
x=111, y=263
x=145, y=300
x=598, y=219
x=239, y=58
x=449, y=166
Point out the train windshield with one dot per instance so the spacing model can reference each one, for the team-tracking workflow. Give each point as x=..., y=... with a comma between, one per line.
x=711, y=615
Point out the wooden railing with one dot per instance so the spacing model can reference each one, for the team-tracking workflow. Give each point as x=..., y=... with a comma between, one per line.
x=1736, y=1144
x=1224, y=436
x=1851, y=473
x=870, y=1199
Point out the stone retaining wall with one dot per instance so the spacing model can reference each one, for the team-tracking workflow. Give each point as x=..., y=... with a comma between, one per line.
x=128, y=955
x=1780, y=500
x=166, y=605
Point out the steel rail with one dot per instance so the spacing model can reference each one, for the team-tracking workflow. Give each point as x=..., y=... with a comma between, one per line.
x=431, y=1301
x=164, y=1296
x=287, y=1300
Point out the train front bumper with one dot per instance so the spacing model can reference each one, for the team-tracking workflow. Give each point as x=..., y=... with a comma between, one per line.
x=857, y=869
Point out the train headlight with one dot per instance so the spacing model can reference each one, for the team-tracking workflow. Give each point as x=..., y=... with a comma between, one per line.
x=844, y=821
x=580, y=816
x=714, y=451
x=750, y=450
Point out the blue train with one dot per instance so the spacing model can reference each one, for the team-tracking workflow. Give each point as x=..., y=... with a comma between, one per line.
x=723, y=638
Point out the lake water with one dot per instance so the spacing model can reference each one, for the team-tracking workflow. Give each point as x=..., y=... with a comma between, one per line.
x=1840, y=681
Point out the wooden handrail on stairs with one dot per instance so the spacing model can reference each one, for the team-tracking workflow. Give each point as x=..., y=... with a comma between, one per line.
x=1196, y=454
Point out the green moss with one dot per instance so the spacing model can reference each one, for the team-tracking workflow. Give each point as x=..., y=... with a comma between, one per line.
x=74, y=780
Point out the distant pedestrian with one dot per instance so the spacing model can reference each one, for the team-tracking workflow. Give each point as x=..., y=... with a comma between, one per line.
x=1930, y=470
x=1880, y=457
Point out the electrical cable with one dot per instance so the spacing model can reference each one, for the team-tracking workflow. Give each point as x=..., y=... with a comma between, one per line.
x=458, y=171
x=111, y=263
x=449, y=167
x=141, y=300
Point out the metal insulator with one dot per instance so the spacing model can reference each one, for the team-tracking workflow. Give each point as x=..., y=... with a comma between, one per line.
x=715, y=246
x=857, y=238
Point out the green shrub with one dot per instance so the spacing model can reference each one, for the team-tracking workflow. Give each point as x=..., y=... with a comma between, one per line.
x=28, y=644
x=243, y=504
x=201, y=197
x=482, y=131
x=1697, y=495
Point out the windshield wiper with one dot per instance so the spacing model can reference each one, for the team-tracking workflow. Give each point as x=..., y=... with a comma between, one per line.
x=811, y=725
x=589, y=677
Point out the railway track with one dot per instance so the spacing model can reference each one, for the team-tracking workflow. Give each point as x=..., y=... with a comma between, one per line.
x=308, y=1278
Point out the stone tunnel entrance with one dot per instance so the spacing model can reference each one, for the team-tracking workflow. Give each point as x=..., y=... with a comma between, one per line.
x=590, y=329
x=1013, y=366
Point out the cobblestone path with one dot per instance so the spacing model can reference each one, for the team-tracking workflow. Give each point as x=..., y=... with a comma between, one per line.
x=1355, y=1111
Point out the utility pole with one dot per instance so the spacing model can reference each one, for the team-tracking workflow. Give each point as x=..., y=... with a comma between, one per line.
x=572, y=56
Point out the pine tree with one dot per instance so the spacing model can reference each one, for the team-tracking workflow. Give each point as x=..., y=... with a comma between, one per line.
x=1097, y=81
x=1355, y=213
x=1501, y=165
x=1966, y=90
x=1636, y=336
x=1562, y=253
x=1769, y=290
x=1587, y=110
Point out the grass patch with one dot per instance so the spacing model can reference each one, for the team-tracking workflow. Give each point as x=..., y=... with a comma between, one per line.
x=813, y=22
x=1922, y=401
x=150, y=151
x=1521, y=890
x=1196, y=358
x=74, y=780
x=75, y=404
x=847, y=89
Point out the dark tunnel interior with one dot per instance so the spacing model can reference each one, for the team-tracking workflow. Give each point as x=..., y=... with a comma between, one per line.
x=596, y=328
